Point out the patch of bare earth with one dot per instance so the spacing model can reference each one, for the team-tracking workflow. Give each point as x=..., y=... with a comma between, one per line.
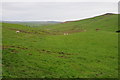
x=6, y=47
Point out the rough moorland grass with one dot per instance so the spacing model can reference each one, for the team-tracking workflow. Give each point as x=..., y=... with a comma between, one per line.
x=90, y=54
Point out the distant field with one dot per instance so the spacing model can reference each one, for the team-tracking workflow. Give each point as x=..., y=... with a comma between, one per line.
x=90, y=50
x=33, y=23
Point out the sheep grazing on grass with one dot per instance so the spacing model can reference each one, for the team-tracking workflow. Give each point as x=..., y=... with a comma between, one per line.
x=65, y=33
x=17, y=31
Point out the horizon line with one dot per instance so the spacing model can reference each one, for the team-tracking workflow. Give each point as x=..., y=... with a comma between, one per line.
x=60, y=20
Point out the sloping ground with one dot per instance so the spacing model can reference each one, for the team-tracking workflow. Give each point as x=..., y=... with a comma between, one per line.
x=107, y=22
x=104, y=22
x=84, y=54
x=25, y=29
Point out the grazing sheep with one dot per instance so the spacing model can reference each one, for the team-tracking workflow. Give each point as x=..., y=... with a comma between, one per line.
x=65, y=33
x=17, y=31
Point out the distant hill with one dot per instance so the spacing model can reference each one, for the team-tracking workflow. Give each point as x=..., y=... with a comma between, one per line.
x=33, y=23
x=105, y=22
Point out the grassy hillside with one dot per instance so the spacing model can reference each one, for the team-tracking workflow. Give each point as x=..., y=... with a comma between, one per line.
x=104, y=22
x=44, y=52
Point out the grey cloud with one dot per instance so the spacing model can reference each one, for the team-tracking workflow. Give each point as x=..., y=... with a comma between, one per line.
x=60, y=11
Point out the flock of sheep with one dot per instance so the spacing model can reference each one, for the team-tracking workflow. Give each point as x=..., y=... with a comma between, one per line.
x=19, y=32
x=64, y=33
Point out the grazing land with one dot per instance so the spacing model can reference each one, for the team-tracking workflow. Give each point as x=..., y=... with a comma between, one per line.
x=89, y=50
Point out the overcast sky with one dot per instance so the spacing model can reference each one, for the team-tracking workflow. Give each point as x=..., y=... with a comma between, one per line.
x=56, y=11
x=60, y=0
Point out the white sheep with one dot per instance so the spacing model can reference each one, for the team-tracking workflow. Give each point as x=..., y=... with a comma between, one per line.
x=65, y=33
x=17, y=31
